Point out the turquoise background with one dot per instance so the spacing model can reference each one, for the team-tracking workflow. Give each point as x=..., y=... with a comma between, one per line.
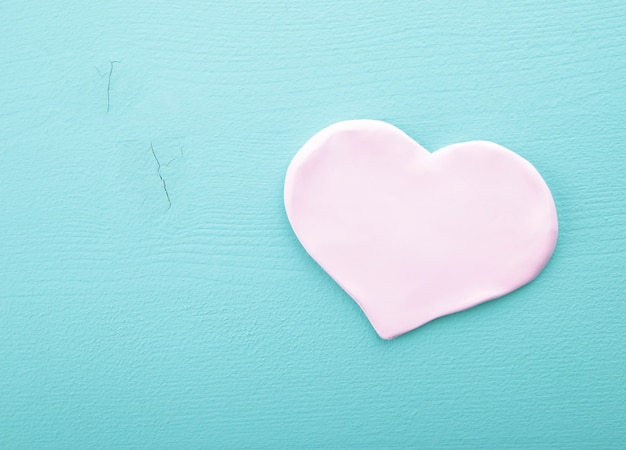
x=128, y=323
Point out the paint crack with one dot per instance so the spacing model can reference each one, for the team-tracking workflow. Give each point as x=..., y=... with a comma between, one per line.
x=160, y=166
x=109, y=84
x=167, y=194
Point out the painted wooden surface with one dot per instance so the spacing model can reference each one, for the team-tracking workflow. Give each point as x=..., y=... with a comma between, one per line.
x=167, y=304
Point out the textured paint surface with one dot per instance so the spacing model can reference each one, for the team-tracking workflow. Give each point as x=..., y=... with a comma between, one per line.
x=412, y=235
x=128, y=323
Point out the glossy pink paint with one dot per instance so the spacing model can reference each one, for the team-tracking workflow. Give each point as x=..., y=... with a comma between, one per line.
x=411, y=235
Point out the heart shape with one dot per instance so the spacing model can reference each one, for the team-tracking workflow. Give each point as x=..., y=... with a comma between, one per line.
x=411, y=235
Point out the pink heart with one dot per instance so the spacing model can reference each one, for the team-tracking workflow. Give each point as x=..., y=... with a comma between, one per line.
x=411, y=235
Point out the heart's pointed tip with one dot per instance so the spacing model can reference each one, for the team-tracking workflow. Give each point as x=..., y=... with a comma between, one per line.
x=385, y=336
x=389, y=333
